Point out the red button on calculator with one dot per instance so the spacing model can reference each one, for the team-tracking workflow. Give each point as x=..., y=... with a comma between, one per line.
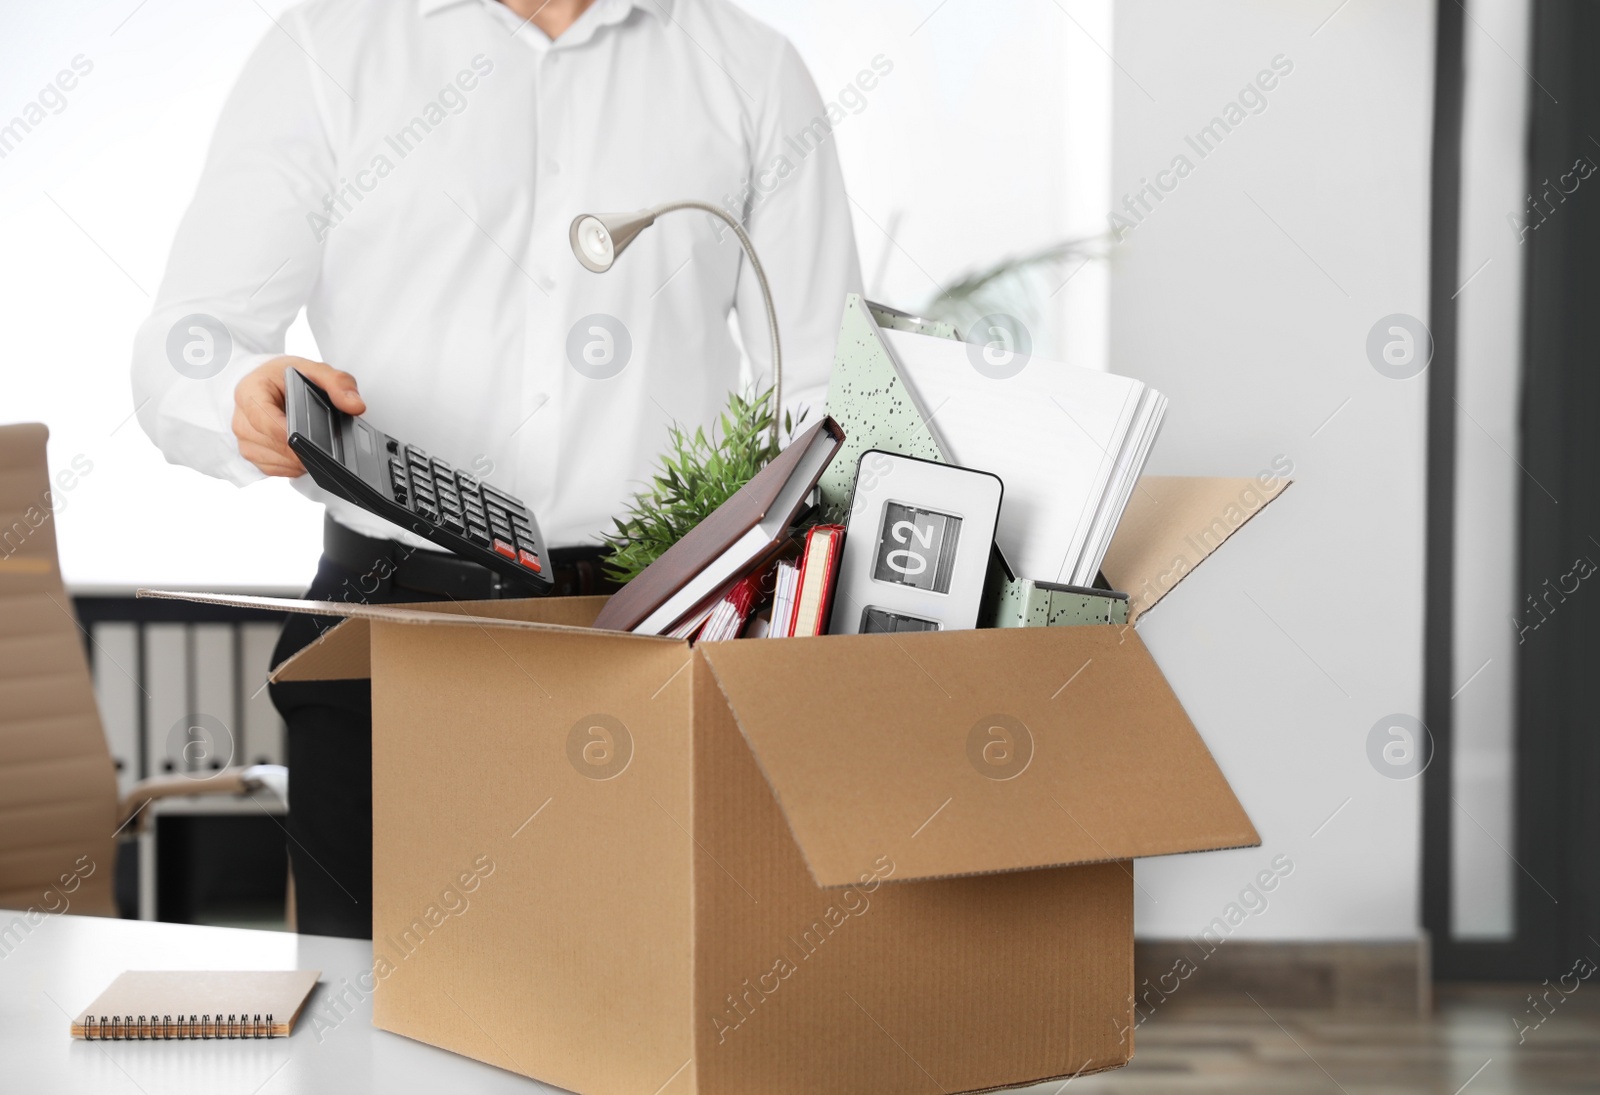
x=505, y=549
x=530, y=560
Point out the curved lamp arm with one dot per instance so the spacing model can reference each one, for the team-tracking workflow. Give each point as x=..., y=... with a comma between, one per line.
x=597, y=240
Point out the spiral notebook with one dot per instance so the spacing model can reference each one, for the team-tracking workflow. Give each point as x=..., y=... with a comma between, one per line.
x=162, y=1005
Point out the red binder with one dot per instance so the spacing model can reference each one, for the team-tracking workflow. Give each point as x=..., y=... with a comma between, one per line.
x=819, y=573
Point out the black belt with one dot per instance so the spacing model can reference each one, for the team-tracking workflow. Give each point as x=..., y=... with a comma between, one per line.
x=385, y=565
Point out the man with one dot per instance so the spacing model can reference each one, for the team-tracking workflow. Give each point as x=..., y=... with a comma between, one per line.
x=406, y=171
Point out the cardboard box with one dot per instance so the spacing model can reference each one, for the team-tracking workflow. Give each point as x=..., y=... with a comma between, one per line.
x=849, y=864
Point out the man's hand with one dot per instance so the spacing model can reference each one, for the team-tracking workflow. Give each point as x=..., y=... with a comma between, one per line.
x=258, y=418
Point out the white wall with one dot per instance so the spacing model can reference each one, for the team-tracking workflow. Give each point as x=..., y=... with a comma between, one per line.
x=89, y=201
x=1247, y=296
x=990, y=139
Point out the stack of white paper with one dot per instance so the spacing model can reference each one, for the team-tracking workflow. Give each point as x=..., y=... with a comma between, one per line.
x=1069, y=443
x=786, y=587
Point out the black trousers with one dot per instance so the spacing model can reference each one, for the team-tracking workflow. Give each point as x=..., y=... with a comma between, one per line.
x=329, y=727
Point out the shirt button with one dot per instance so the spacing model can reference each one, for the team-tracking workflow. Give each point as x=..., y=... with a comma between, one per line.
x=553, y=166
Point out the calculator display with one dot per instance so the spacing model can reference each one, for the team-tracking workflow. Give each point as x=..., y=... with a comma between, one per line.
x=319, y=419
x=916, y=547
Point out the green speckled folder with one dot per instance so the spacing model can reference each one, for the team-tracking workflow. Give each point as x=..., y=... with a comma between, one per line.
x=1026, y=603
x=878, y=410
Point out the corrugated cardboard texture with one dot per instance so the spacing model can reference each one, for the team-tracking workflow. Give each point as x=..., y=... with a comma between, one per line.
x=58, y=792
x=511, y=613
x=1172, y=523
x=880, y=989
x=868, y=743
x=570, y=961
x=343, y=651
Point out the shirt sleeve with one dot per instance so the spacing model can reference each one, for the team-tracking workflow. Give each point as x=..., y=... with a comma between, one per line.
x=246, y=256
x=799, y=222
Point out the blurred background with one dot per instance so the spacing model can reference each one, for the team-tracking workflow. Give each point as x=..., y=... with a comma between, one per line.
x=1398, y=182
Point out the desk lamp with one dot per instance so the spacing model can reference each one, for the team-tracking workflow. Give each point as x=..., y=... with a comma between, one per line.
x=597, y=240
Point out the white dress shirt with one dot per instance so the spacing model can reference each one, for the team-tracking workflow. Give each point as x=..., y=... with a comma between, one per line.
x=407, y=172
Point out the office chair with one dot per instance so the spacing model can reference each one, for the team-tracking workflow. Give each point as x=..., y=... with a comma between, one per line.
x=60, y=817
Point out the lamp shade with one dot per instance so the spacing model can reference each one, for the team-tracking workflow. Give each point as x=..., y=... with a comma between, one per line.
x=597, y=240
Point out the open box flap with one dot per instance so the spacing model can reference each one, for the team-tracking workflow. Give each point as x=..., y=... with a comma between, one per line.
x=1172, y=523
x=341, y=653
x=892, y=745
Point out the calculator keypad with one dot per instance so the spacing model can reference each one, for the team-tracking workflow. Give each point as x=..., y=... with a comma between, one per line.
x=433, y=490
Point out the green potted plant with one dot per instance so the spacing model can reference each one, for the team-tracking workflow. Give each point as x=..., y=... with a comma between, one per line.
x=697, y=473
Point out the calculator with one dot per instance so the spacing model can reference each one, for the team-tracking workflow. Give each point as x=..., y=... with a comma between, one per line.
x=346, y=456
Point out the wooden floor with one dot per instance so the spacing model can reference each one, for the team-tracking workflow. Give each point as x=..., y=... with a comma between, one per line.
x=1469, y=1046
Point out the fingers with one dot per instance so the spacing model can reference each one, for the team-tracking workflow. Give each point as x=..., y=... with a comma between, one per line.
x=260, y=425
x=340, y=386
x=264, y=415
x=268, y=451
x=258, y=418
x=269, y=460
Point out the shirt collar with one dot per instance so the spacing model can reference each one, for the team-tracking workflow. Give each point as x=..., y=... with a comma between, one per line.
x=660, y=8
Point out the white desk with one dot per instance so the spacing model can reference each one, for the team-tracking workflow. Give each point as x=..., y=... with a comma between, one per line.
x=59, y=967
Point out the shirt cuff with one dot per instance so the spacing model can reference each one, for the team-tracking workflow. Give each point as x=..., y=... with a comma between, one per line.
x=195, y=422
